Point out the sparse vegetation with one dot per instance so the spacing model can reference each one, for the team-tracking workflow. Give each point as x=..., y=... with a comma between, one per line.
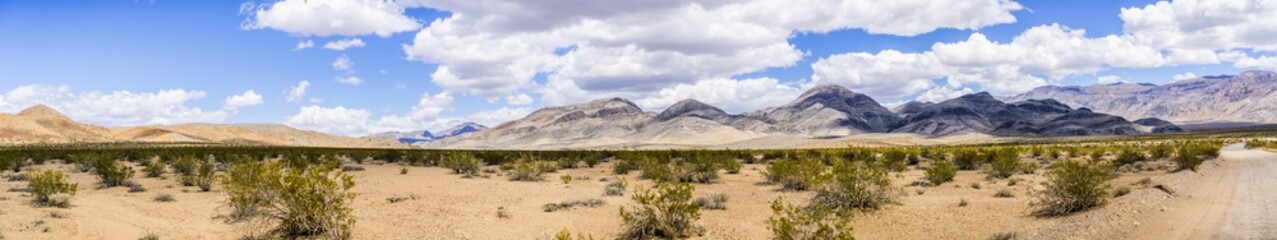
x=615, y=188
x=790, y=222
x=111, y=172
x=1072, y=186
x=852, y=186
x=941, y=172
x=1004, y=193
x=51, y=188
x=663, y=211
x=797, y=175
x=164, y=197
x=713, y=201
x=568, y=205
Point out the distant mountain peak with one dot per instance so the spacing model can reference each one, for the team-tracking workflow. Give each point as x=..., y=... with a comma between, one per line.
x=41, y=111
x=694, y=108
x=463, y=128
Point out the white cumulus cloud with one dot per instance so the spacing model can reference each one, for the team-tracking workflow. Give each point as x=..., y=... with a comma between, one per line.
x=343, y=63
x=304, y=45
x=349, y=80
x=338, y=120
x=343, y=44
x=1109, y=79
x=329, y=17
x=297, y=93
x=247, y=99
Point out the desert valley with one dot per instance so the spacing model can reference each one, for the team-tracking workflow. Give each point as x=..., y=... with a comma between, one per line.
x=638, y=119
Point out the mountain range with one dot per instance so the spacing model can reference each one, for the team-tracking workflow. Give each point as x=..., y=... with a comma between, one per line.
x=41, y=124
x=821, y=112
x=423, y=136
x=1245, y=97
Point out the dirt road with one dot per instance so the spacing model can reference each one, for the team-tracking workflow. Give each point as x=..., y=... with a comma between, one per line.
x=1239, y=202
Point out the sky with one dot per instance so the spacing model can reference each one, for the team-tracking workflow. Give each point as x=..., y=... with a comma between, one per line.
x=355, y=67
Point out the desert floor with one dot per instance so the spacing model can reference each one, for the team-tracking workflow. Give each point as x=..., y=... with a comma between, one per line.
x=1233, y=198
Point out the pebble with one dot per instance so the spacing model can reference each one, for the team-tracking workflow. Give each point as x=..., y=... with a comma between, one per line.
x=1137, y=223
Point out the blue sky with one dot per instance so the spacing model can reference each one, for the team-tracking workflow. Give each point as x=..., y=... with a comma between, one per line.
x=209, y=47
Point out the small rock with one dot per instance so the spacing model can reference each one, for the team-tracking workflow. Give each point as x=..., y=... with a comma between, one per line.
x=1137, y=223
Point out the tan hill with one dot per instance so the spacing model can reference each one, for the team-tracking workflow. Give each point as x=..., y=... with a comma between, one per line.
x=1246, y=97
x=41, y=124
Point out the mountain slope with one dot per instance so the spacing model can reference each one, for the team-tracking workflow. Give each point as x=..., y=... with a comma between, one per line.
x=1246, y=97
x=41, y=124
x=824, y=111
x=827, y=110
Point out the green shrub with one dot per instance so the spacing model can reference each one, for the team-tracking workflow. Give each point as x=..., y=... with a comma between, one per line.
x=243, y=184
x=1004, y=165
x=529, y=171
x=312, y=203
x=853, y=186
x=184, y=165
x=806, y=223
x=112, y=173
x=46, y=184
x=309, y=202
x=1128, y=158
x=463, y=164
x=1189, y=157
x=153, y=169
x=663, y=211
x=566, y=235
x=941, y=172
x=797, y=175
x=1071, y=187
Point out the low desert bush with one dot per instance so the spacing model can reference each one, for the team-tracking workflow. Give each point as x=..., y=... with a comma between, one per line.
x=352, y=168
x=1004, y=193
x=1003, y=236
x=463, y=164
x=529, y=170
x=1121, y=191
x=713, y=201
x=1004, y=165
x=1189, y=157
x=568, y=205
x=1072, y=186
x=153, y=169
x=244, y=184
x=112, y=173
x=201, y=176
x=855, y=187
x=135, y=187
x=566, y=235
x=941, y=172
x=797, y=175
x=790, y=222
x=51, y=188
x=615, y=188
x=18, y=177
x=164, y=197
x=663, y=211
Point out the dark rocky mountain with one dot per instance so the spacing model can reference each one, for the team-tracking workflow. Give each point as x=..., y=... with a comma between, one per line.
x=1246, y=97
x=423, y=136
x=982, y=113
x=693, y=108
x=829, y=110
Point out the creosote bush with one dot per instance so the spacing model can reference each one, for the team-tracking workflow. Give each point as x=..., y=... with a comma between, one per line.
x=713, y=201
x=463, y=164
x=112, y=173
x=1072, y=186
x=1004, y=165
x=790, y=222
x=941, y=172
x=309, y=202
x=615, y=188
x=797, y=175
x=153, y=169
x=663, y=211
x=529, y=170
x=855, y=186
x=51, y=188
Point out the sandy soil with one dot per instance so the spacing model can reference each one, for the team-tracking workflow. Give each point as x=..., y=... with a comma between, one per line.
x=442, y=205
x=1238, y=201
